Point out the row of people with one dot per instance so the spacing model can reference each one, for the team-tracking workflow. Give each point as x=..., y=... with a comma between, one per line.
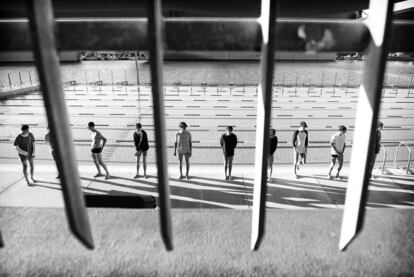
x=25, y=146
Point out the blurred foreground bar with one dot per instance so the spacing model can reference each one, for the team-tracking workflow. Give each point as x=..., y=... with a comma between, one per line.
x=47, y=64
x=220, y=34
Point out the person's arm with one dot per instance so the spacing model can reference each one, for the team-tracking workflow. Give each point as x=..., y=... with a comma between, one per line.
x=343, y=149
x=295, y=134
x=21, y=151
x=102, y=138
x=175, y=144
x=333, y=146
x=306, y=141
x=221, y=141
x=33, y=145
x=135, y=140
x=235, y=141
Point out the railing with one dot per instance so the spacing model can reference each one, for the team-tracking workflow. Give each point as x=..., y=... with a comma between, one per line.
x=408, y=160
x=239, y=78
x=266, y=34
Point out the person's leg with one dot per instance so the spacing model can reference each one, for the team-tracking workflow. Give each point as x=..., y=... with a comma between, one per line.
x=226, y=161
x=331, y=166
x=95, y=160
x=230, y=166
x=187, y=164
x=24, y=164
x=180, y=161
x=340, y=162
x=32, y=169
x=99, y=155
x=144, y=163
x=270, y=165
x=295, y=161
x=138, y=157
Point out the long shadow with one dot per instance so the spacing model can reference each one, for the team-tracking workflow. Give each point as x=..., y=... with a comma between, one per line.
x=395, y=177
x=46, y=182
x=391, y=185
x=114, y=192
x=223, y=181
x=192, y=181
x=203, y=198
x=298, y=184
x=344, y=179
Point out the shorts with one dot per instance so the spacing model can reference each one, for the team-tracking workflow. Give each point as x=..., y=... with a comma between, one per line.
x=335, y=156
x=302, y=155
x=96, y=150
x=25, y=158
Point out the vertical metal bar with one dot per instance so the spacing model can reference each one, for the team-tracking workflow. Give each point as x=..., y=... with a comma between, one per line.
x=366, y=121
x=155, y=43
x=47, y=62
x=264, y=108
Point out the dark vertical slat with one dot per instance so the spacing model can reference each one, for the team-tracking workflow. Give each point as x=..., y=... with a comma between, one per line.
x=264, y=108
x=155, y=44
x=47, y=63
x=366, y=121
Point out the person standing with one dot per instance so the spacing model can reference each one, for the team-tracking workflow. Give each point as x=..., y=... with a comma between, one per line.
x=300, y=146
x=141, y=146
x=96, y=149
x=273, y=147
x=183, y=145
x=48, y=139
x=337, y=150
x=377, y=146
x=228, y=142
x=25, y=147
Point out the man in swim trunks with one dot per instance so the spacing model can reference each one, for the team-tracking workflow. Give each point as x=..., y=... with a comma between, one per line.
x=183, y=145
x=96, y=149
x=337, y=150
x=141, y=146
x=25, y=147
x=228, y=142
x=300, y=146
x=273, y=147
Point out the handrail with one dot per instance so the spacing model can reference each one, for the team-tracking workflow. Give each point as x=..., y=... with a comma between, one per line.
x=409, y=156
